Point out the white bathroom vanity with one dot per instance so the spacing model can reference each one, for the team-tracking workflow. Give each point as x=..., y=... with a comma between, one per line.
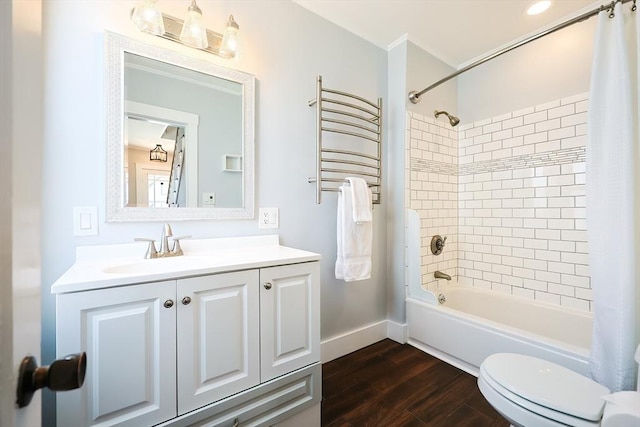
x=226, y=335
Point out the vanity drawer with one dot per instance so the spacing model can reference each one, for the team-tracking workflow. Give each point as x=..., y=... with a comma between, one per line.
x=264, y=405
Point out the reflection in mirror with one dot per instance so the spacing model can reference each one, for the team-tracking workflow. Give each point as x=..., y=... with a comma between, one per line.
x=153, y=159
x=199, y=114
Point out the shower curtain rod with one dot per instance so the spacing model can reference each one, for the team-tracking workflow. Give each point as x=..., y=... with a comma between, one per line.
x=414, y=96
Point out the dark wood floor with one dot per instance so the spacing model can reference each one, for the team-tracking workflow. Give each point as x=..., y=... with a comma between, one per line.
x=392, y=385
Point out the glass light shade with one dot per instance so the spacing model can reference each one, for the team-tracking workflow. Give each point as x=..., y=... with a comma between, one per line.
x=158, y=154
x=230, y=40
x=148, y=18
x=194, y=32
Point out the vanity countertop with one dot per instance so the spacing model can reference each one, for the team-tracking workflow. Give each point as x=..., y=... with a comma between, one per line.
x=105, y=266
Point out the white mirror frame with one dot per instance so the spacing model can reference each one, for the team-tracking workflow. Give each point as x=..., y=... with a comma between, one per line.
x=115, y=47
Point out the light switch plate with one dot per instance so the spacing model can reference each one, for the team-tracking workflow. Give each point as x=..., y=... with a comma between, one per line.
x=85, y=221
x=268, y=218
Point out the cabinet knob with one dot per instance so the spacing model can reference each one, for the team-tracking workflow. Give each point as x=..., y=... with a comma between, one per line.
x=267, y=285
x=168, y=303
x=186, y=300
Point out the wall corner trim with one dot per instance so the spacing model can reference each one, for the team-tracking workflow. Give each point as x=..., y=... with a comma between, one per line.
x=398, y=41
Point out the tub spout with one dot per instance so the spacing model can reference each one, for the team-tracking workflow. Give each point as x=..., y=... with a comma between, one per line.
x=441, y=275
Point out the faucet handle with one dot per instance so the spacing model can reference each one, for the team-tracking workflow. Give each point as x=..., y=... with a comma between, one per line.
x=152, y=252
x=437, y=244
x=177, y=250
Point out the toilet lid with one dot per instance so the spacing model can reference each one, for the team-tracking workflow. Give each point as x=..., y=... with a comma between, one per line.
x=547, y=384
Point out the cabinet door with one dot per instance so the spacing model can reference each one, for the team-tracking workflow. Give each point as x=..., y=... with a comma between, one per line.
x=218, y=337
x=289, y=318
x=129, y=336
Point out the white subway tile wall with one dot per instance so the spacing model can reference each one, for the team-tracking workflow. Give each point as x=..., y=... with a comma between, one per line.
x=518, y=181
x=432, y=157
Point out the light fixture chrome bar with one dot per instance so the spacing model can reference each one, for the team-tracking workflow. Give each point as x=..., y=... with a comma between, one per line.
x=173, y=27
x=414, y=96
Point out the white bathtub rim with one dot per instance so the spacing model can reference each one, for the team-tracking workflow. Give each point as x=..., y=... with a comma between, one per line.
x=547, y=343
x=433, y=302
x=457, y=286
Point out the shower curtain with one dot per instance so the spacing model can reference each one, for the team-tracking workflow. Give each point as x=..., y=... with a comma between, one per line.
x=613, y=198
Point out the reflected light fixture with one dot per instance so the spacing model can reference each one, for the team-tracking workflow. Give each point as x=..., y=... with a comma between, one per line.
x=190, y=32
x=538, y=7
x=194, y=32
x=158, y=154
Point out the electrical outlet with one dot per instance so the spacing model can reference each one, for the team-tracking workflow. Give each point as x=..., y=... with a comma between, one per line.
x=268, y=218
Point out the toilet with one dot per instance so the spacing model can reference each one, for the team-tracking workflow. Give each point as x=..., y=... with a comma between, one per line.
x=531, y=392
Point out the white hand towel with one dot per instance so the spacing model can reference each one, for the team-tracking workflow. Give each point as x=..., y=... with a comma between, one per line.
x=362, y=199
x=354, y=241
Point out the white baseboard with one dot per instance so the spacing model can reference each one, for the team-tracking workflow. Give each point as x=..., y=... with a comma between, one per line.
x=346, y=343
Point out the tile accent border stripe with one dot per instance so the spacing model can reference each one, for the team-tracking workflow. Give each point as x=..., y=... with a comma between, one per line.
x=550, y=158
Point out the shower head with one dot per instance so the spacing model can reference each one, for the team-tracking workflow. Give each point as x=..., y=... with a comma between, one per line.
x=453, y=120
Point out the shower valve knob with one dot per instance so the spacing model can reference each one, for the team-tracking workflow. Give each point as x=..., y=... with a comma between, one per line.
x=437, y=244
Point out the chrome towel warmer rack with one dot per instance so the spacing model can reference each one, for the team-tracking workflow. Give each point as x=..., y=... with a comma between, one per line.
x=340, y=114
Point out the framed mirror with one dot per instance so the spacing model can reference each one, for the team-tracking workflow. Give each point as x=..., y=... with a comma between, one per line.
x=180, y=136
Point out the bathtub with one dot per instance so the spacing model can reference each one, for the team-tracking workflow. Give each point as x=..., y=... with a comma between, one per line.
x=475, y=323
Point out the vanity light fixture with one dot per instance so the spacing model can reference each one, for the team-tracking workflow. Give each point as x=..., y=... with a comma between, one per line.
x=158, y=154
x=191, y=32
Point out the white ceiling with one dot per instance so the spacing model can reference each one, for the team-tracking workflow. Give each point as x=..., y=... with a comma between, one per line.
x=455, y=31
x=144, y=135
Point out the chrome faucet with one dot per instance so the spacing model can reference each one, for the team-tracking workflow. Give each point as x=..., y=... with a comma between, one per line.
x=441, y=275
x=165, y=250
x=164, y=240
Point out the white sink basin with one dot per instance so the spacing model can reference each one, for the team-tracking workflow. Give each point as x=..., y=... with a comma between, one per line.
x=164, y=265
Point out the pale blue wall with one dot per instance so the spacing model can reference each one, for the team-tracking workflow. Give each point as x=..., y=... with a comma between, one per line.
x=553, y=67
x=285, y=47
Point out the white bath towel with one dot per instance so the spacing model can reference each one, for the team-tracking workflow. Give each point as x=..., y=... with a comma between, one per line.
x=354, y=241
x=362, y=198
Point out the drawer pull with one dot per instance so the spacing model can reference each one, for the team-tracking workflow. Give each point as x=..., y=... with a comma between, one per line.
x=186, y=300
x=236, y=422
x=267, y=285
x=168, y=303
